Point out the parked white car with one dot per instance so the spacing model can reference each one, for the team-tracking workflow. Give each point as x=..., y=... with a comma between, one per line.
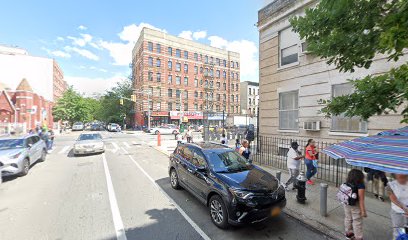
x=78, y=126
x=164, y=130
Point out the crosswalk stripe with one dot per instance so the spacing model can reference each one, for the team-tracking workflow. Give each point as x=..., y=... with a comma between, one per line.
x=126, y=144
x=64, y=150
x=115, y=146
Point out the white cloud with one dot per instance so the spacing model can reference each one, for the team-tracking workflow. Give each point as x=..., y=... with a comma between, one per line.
x=186, y=35
x=98, y=69
x=199, y=34
x=60, y=39
x=82, y=41
x=83, y=52
x=57, y=53
x=190, y=35
x=92, y=86
x=121, y=52
x=82, y=27
x=248, y=54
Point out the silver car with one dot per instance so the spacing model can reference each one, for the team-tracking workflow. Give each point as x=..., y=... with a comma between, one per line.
x=88, y=143
x=17, y=154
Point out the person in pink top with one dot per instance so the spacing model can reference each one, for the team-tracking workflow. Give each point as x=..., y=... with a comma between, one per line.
x=311, y=160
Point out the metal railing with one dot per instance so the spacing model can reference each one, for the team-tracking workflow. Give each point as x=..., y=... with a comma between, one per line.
x=271, y=151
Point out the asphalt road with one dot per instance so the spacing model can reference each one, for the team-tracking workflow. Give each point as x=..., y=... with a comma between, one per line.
x=122, y=194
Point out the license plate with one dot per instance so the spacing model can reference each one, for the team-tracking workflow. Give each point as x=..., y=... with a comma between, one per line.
x=275, y=211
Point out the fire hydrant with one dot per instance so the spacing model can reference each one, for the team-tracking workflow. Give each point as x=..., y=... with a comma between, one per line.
x=301, y=188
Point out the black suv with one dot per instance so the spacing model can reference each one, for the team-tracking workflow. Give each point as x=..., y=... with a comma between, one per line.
x=235, y=191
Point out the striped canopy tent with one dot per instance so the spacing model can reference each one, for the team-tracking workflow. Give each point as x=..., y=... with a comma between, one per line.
x=386, y=151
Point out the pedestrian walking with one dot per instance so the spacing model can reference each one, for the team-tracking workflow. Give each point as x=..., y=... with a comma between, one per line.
x=224, y=140
x=244, y=150
x=397, y=190
x=354, y=209
x=293, y=163
x=379, y=181
x=189, y=135
x=311, y=160
x=51, y=139
x=179, y=138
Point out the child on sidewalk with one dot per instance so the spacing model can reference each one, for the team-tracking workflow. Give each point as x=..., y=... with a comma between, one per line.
x=354, y=214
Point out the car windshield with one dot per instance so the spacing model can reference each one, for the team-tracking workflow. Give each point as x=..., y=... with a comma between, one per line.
x=78, y=123
x=11, y=143
x=229, y=161
x=90, y=137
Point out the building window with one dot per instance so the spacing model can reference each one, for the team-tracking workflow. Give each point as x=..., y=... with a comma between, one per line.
x=158, y=63
x=232, y=98
x=185, y=95
x=224, y=86
x=237, y=76
x=195, y=70
x=195, y=107
x=288, y=110
x=185, y=54
x=178, y=80
x=178, y=93
x=185, y=106
x=236, y=98
x=217, y=61
x=201, y=69
x=217, y=108
x=170, y=92
x=196, y=56
x=232, y=87
x=341, y=123
x=150, y=76
x=232, y=75
x=170, y=51
x=288, y=48
x=206, y=83
x=232, y=64
x=150, y=61
x=177, y=106
x=217, y=74
x=211, y=72
x=250, y=101
x=201, y=107
x=178, y=67
x=169, y=106
x=206, y=59
x=195, y=94
x=236, y=87
x=185, y=68
x=218, y=85
x=224, y=63
x=224, y=74
x=150, y=46
x=232, y=109
x=170, y=79
x=250, y=91
x=170, y=64
x=224, y=97
x=237, y=109
x=195, y=82
x=218, y=97
x=178, y=53
x=158, y=48
x=211, y=60
x=237, y=65
x=185, y=81
x=201, y=95
x=206, y=72
x=158, y=77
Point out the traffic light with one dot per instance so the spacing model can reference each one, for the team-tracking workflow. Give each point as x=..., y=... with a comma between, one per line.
x=121, y=101
x=133, y=98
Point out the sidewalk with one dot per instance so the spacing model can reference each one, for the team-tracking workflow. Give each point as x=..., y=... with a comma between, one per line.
x=376, y=226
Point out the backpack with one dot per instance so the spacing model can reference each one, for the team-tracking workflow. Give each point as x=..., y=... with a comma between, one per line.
x=347, y=194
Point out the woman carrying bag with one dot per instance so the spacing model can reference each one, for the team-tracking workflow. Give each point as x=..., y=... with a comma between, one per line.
x=311, y=160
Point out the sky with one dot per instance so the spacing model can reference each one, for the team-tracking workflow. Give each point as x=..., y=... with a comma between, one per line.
x=92, y=40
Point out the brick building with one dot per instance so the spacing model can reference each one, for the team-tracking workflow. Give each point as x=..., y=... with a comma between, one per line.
x=29, y=86
x=182, y=79
x=23, y=108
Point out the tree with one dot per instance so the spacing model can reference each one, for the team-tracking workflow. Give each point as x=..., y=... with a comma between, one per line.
x=71, y=107
x=349, y=34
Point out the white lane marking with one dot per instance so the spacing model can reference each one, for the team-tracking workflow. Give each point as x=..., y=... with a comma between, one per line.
x=63, y=150
x=184, y=214
x=126, y=144
x=117, y=219
x=115, y=146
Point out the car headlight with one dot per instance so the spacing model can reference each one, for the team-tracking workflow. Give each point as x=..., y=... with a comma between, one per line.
x=14, y=156
x=241, y=194
x=77, y=146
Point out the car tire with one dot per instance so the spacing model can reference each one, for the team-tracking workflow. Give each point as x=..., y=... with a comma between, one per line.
x=26, y=167
x=218, y=212
x=174, y=180
x=157, y=132
x=43, y=155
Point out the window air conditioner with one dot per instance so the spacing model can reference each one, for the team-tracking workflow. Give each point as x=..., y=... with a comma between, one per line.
x=311, y=126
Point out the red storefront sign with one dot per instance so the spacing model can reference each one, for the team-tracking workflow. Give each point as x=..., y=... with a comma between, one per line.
x=188, y=115
x=159, y=114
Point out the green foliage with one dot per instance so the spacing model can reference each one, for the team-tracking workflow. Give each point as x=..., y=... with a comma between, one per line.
x=73, y=107
x=349, y=34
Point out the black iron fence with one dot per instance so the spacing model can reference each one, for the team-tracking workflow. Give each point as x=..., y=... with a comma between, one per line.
x=271, y=151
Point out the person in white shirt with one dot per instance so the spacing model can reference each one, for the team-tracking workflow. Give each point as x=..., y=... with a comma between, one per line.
x=397, y=190
x=293, y=163
x=224, y=140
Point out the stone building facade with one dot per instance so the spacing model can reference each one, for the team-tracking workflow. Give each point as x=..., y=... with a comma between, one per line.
x=292, y=82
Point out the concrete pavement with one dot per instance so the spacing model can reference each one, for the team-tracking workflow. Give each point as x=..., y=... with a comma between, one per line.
x=70, y=197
